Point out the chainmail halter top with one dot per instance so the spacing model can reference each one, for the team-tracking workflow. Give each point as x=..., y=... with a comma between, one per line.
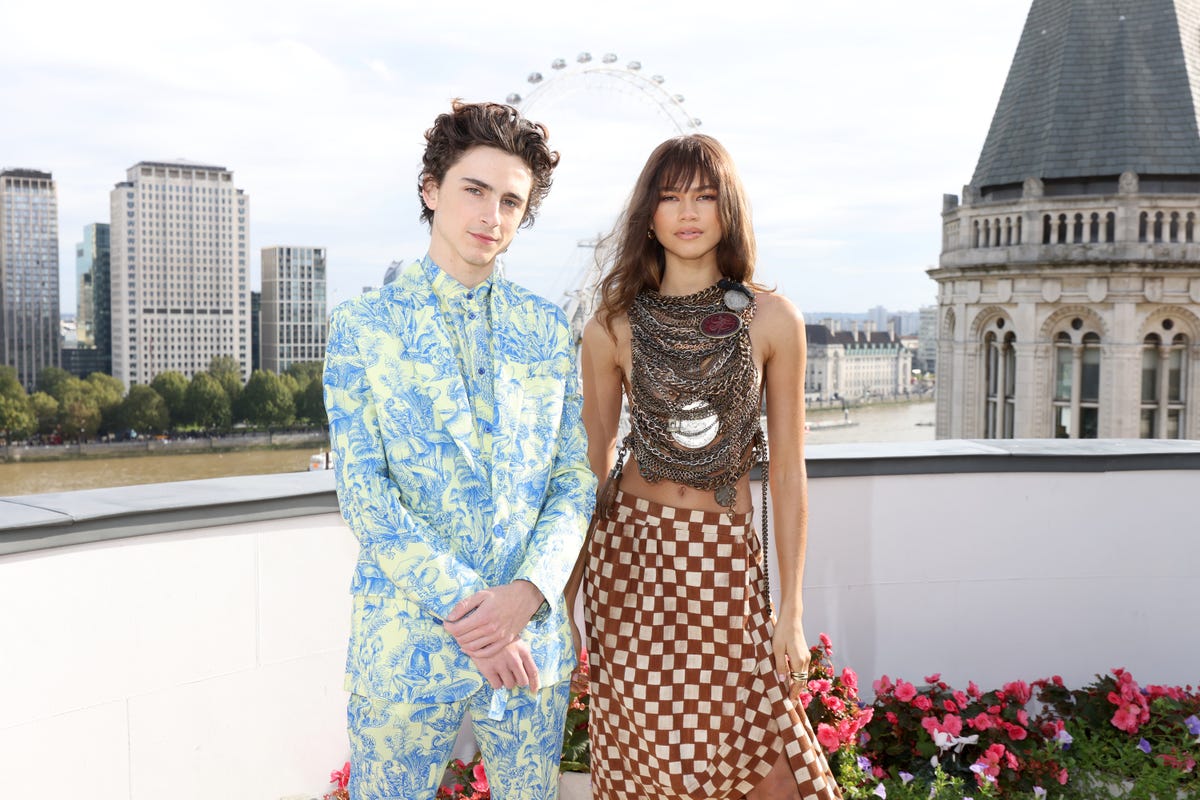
x=694, y=399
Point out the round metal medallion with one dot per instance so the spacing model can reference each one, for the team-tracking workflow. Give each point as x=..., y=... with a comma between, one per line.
x=721, y=324
x=726, y=495
x=736, y=300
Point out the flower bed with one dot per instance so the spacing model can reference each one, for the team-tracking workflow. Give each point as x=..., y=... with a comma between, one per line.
x=931, y=741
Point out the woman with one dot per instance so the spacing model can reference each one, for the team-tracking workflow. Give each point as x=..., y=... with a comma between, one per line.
x=694, y=690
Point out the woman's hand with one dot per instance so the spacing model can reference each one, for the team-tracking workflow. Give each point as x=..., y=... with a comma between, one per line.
x=791, y=650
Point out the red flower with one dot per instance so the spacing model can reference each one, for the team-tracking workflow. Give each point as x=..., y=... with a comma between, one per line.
x=891, y=717
x=972, y=689
x=949, y=706
x=922, y=702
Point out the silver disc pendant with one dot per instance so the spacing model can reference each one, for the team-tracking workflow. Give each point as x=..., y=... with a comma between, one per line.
x=726, y=495
x=736, y=300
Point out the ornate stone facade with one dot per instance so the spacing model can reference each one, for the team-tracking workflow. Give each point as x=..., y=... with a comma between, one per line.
x=1069, y=279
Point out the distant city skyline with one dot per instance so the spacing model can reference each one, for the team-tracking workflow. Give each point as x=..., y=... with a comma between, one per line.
x=848, y=123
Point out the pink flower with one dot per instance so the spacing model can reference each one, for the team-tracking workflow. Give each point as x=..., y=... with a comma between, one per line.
x=833, y=704
x=950, y=706
x=961, y=699
x=883, y=685
x=934, y=678
x=1023, y=717
x=820, y=686
x=1062, y=776
x=905, y=691
x=826, y=644
x=850, y=679
x=1019, y=691
x=922, y=702
x=1129, y=718
x=480, y=784
x=891, y=717
x=1015, y=732
x=805, y=699
x=341, y=776
x=981, y=722
x=828, y=737
x=973, y=690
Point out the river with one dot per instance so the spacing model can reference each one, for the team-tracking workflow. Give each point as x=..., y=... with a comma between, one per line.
x=907, y=422
x=36, y=477
x=910, y=422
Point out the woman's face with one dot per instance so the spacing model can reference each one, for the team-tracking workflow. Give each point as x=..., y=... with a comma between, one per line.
x=687, y=220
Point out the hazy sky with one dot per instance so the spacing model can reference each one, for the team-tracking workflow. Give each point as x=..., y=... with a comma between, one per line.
x=848, y=121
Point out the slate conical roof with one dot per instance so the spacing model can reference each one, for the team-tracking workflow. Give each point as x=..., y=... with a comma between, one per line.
x=1096, y=88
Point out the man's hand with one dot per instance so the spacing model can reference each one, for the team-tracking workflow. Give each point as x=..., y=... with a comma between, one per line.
x=511, y=667
x=489, y=620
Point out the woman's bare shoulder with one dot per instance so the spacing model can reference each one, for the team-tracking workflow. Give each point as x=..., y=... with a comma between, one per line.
x=778, y=313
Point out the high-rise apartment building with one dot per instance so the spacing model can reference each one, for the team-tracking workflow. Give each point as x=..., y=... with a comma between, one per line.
x=28, y=273
x=180, y=270
x=294, y=322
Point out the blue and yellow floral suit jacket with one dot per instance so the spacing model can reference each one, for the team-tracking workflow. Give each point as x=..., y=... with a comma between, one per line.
x=432, y=528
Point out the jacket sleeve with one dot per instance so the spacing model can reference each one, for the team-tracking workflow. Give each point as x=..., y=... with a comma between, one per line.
x=399, y=544
x=571, y=494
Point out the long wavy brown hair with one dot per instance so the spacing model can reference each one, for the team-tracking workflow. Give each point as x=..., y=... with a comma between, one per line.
x=634, y=261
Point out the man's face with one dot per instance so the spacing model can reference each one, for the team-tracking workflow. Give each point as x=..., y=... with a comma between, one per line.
x=477, y=209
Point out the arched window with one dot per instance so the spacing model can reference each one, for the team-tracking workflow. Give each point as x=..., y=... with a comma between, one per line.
x=1047, y=228
x=1163, y=385
x=1174, y=230
x=1110, y=227
x=1076, y=401
x=1143, y=226
x=1189, y=229
x=1158, y=227
x=1008, y=231
x=1018, y=239
x=1062, y=228
x=1000, y=381
x=1078, y=228
x=975, y=235
x=1094, y=229
x=987, y=233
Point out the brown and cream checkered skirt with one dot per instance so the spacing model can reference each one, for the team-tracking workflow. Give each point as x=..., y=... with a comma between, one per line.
x=685, y=699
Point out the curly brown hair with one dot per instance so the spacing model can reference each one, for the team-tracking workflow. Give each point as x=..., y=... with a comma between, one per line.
x=636, y=261
x=469, y=125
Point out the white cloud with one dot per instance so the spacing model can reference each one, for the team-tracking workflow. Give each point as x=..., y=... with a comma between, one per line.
x=848, y=121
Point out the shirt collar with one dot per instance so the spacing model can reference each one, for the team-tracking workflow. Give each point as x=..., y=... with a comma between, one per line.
x=448, y=289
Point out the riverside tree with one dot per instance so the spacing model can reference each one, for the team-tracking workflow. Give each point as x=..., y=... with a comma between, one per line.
x=17, y=419
x=143, y=410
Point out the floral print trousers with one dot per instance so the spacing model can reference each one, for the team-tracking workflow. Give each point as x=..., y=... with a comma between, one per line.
x=399, y=751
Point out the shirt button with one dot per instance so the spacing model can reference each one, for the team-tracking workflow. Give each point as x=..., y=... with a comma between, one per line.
x=471, y=315
x=470, y=295
x=482, y=370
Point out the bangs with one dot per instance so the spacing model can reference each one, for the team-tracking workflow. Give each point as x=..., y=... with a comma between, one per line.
x=684, y=160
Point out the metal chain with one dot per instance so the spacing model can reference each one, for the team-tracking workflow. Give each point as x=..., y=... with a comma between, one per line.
x=681, y=375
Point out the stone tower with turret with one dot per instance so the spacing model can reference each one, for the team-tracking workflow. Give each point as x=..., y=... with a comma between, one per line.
x=1069, y=278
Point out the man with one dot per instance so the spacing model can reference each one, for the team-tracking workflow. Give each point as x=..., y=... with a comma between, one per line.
x=461, y=466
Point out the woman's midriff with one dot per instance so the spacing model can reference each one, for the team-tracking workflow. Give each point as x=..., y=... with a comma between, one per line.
x=670, y=493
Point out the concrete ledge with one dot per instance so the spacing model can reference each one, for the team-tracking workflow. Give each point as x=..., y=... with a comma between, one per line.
x=960, y=456
x=43, y=521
